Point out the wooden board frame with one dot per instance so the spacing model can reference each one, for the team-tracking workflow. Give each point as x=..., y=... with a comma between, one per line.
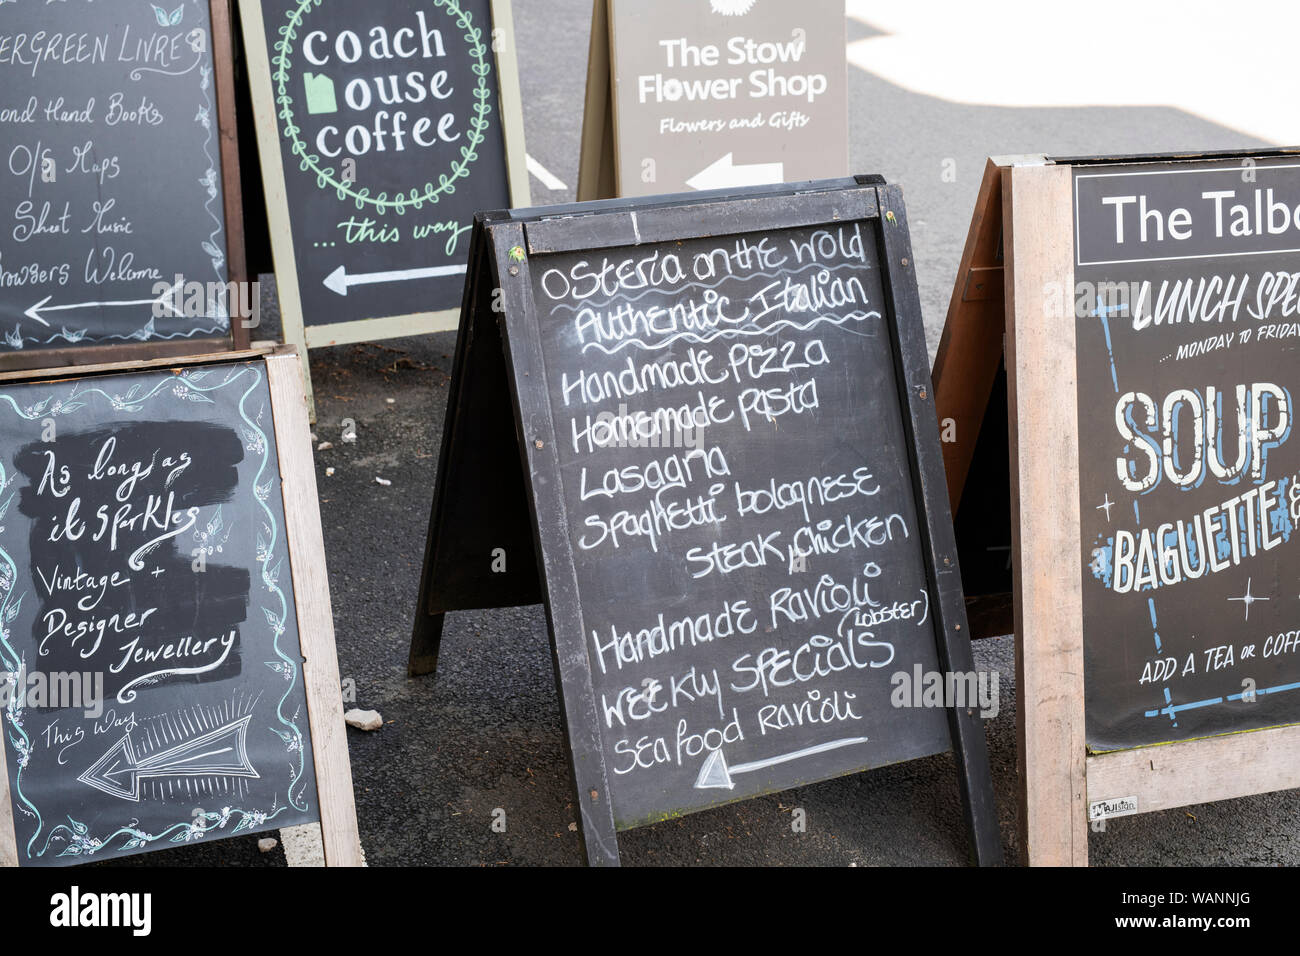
x=338, y=820
x=620, y=223
x=223, y=65
x=596, y=173
x=296, y=331
x=1058, y=778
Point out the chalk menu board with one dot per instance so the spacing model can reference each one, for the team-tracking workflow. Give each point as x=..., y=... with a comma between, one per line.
x=389, y=127
x=154, y=693
x=740, y=509
x=111, y=188
x=709, y=422
x=1187, y=333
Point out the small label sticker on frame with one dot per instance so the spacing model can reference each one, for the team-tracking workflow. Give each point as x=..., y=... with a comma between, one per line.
x=1105, y=809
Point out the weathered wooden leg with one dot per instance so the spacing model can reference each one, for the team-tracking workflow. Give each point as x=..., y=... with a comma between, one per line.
x=425, y=640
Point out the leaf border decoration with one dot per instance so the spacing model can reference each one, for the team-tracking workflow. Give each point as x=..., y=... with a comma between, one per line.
x=327, y=177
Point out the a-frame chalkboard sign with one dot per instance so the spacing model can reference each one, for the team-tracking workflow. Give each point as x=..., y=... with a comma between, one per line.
x=167, y=662
x=382, y=128
x=700, y=429
x=686, y=95
x=124, y=238
x=1117, y=373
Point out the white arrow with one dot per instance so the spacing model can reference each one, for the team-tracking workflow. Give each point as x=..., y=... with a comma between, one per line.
x=221, y=753
x=724, y=174
x=715, y=774
x=339, y=280
x=35, y=311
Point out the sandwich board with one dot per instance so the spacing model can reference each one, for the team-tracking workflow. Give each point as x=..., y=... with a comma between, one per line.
x=169, y=671
x=382, y=127
x=700, y=429
x=713, y=94
x=1147, y=306
x=121, y=184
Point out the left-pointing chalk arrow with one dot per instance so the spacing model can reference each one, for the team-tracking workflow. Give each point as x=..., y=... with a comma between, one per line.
x=222, y=752
x=339, y=281
x=35, y=312
x=715, y=774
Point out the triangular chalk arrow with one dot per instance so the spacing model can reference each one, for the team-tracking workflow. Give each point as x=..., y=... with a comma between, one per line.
x=118, y=761
x=337, y=281
x=714, y=775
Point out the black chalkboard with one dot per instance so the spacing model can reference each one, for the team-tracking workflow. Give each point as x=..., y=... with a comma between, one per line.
x=154, y=692
x=1186, y=334
x=389, y=125
x=731, y=467
x=112, y=185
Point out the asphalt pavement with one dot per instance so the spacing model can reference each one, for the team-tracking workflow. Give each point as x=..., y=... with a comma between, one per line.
x=486, y=732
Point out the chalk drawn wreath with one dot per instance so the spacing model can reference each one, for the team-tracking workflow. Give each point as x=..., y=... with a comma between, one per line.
x=327, y=176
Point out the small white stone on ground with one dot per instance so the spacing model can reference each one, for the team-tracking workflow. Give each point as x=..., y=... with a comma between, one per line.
x=329, y=472
x=325, y=446
x=363, y=719
x=382, y=481
x=267, y=844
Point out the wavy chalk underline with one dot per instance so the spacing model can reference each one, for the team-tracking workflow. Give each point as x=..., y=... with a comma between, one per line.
x=698, y=339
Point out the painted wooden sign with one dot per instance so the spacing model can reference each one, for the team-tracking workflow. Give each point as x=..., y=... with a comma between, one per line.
x=709, y=420
x=713, y=94
x=383, y=128
x=1150, y=318
x=119, y=186
x=166, y=637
